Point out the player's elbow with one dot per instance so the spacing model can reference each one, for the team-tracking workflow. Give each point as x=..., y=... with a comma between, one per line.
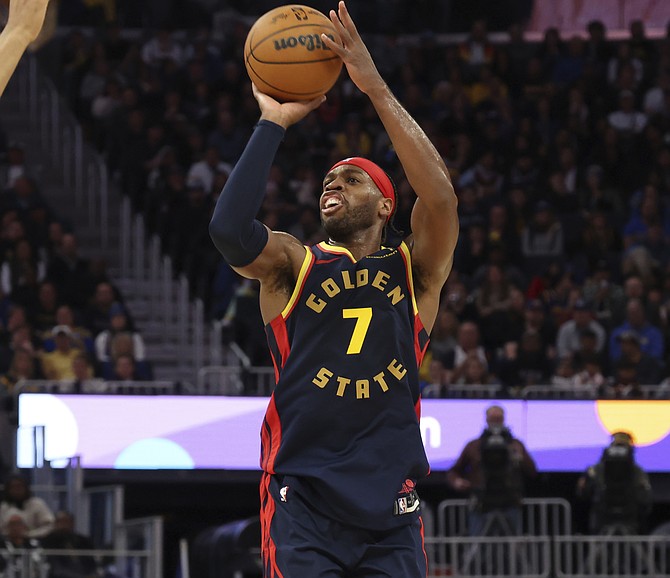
x=239, y=244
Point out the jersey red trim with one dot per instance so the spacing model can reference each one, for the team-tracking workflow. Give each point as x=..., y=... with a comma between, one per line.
x=270, y=437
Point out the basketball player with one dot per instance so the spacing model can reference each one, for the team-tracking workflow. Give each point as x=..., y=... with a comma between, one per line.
x=347, y=323
x=23, y=25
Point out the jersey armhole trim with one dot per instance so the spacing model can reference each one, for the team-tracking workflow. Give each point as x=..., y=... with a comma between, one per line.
x=300, y=281
x=404, y=250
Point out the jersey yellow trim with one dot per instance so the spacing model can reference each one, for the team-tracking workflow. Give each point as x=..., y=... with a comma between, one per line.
x=335, y=249
x=410, y=280
x=300, y=281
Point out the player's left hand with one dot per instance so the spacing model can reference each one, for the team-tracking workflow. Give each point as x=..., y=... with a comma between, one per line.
x=350, y=47
x=27, y=16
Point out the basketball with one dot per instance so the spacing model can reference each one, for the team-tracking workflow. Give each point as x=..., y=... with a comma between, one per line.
x=285, y=57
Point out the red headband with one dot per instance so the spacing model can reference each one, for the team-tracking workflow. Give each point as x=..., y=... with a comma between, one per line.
x=376, y=173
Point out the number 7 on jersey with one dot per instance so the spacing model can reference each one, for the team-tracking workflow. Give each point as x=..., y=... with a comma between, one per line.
x=363, y=317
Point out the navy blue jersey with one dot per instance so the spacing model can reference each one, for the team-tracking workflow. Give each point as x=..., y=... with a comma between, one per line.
x=344, y=416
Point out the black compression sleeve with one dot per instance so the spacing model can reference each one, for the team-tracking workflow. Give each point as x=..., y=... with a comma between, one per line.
x=234, y=229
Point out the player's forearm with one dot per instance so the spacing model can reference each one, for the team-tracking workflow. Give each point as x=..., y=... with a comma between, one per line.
x=234, y=229
x=421, y=162
x=13, y=43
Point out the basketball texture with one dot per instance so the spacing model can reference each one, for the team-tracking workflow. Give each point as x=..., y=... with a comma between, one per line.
x=285, y=56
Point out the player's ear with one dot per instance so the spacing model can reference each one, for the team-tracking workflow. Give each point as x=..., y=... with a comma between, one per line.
x=386, y=208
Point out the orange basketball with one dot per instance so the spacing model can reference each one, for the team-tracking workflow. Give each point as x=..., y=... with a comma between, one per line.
x=285, y=56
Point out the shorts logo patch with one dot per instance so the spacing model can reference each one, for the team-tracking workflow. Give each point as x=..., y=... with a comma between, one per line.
x=283, y=492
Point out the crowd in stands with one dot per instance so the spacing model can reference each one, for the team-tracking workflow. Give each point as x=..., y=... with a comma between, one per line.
x=61, y=316
x=28, y=524
x=559, y=151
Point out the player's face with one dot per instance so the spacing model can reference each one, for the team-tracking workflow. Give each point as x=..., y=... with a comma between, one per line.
x=349, y=202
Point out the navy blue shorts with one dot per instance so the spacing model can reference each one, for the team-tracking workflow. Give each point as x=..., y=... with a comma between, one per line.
x=299, y=542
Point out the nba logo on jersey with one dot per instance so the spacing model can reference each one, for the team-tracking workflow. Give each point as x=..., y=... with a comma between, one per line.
x=283, y=492
x=402, y=505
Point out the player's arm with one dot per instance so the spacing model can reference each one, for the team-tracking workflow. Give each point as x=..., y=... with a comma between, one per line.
x=23, y=25
x=252, y=249
x=434, y=217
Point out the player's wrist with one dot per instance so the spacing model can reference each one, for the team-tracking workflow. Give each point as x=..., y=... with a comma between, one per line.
x=17, y=34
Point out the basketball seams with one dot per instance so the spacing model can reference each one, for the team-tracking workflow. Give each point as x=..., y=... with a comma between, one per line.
x=294, y=43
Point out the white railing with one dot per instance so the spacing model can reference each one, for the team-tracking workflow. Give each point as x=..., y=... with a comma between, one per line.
x=540, y=517
x=577, y=392
x=499, y=557
x=37, y=562
x=179, y=322
x=60, y=136
x=612, y=556
x=235, y=380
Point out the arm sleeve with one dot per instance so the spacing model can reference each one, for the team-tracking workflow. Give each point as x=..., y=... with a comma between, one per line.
x=236, y=233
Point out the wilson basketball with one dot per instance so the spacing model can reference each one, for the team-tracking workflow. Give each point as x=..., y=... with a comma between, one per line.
x=285, y=57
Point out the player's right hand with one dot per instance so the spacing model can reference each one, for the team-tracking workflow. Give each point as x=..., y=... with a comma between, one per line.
x=284, y=113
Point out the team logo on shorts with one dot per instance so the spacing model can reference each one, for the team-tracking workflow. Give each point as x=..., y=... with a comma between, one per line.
x=283, y=492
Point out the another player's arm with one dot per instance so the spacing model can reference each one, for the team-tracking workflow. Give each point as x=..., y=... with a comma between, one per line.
x=23, y=25
x=434, y=217
x=251, y=248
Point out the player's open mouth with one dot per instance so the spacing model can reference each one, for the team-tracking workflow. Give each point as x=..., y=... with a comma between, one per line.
x=331, y=205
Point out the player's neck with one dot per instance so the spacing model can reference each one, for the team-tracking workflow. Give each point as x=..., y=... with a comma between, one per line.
x=358, y=249
x=359, y=243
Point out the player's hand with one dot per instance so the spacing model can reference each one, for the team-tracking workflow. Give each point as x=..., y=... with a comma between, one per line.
x=349, y=46
x=27, y=17
x=284, y=113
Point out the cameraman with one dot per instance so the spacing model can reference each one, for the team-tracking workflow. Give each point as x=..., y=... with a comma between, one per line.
x=491, y=469
x=618, y=489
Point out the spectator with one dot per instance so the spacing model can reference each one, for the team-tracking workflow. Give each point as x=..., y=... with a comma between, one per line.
x=64, y=537
x=125, y=368
x=617, y=489
x=564, y=373
x=493, y=301
x=606, y=296
x=118, y=321
x=651, y=338
x=476, y=50
x=16, y=164
x=97, y=313
x=627, y=120
x=624, y=384
x=84, y=380
x=648, y=370
x=22, y=367
x=48, y=301
x=590, y=376
x=473, y=371
x=18, y=500
x=203, y=171
x=16, y=536
x=542, y=238
x=524, y=363
x=492, y=469
x=20, y=274
x=57, y=364
x=70, y=271
x=122, y=345
x=65, y=315
x=570, y=332
x=467, y=342
x=160, y=49
x=536, y=320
